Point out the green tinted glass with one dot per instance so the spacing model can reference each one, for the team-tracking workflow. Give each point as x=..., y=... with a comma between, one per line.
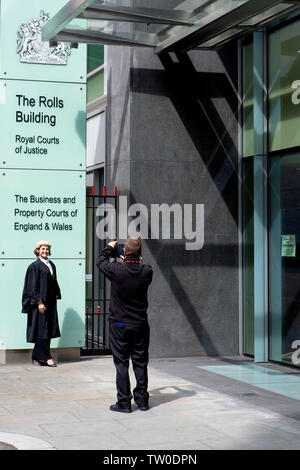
x=95, y=57
x=248, y=133
x=95, y=86
x=284, y=87
x=248, y=255
x=284, y=259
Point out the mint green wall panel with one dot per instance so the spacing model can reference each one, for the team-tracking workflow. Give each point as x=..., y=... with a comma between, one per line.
x=71, y=308
x=42, y=205
x=71, y=312
x=14, y=14
x=12, y=322
x=42, y=166
x=44, y=125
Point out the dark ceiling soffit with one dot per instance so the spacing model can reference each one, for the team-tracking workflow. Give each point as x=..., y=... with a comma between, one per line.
x=220, y=25
x=267, y=19
x=137, y=15
x=246, y=29
x=97, y=37
x=221, y=41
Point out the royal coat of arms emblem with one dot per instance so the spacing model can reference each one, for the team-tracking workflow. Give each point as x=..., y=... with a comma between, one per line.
x=33, y=50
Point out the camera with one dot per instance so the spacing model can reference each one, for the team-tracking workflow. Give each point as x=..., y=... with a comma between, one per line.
x=118, y=251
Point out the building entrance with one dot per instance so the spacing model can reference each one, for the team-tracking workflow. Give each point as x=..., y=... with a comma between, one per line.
x=284, y=258
x=283, y=255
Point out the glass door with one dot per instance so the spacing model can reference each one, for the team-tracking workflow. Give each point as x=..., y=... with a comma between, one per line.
x=248, y=256
x=284, y=258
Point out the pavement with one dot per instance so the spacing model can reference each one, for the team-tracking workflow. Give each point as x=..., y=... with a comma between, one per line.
x=191, y=408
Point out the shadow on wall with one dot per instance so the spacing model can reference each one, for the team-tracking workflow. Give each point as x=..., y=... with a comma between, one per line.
x=191, y=94
x=195, y=97
x=114, y=152
x=80, y=125
x=71, y=329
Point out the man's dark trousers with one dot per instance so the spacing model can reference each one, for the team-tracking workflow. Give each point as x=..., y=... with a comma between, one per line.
x=130, y=341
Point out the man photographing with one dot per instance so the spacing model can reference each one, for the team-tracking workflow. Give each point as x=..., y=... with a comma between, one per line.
x=128, y=321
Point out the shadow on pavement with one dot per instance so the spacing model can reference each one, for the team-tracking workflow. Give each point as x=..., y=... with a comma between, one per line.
x=159, y=397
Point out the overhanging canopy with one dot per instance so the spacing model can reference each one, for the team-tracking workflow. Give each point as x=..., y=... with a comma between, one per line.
x=193, y=24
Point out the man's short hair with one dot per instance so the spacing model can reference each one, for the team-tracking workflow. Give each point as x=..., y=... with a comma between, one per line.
x=133, y=246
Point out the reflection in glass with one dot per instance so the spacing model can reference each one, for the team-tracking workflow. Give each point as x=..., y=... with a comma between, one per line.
x=248, y=256
x=248, y=133
x=284, y=87
x=284, y=257
x=95, y=57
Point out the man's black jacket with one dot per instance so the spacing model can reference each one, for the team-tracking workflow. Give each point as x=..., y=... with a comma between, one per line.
x=129, y=286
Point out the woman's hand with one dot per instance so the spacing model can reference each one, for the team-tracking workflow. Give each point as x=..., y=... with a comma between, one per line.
x=42, y=308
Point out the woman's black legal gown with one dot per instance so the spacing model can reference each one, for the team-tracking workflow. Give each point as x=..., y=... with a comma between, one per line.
x=41, y=285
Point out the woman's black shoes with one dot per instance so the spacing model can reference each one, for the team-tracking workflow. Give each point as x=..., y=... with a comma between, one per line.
x=51, y=365
x=43, y=363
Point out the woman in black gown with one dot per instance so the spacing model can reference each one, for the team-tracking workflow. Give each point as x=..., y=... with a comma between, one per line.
x=40, y=293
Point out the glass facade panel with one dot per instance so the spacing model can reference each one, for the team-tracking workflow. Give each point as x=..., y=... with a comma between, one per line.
x=283, y=195
x=95, y=86
x=284, y=87
x=284, y=268
x=95, y=57
x=95, y=82
x=248, y=133
x=248, y=256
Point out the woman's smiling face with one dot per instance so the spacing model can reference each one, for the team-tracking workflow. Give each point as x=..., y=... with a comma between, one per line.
x=44, y=251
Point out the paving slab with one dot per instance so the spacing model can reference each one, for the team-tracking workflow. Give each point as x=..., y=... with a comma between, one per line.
x=40, y=407
x=190, y=407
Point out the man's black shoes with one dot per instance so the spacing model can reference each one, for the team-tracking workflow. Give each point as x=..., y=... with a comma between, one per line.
x=144, y=408
x=120, y=409
x=117, y=407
